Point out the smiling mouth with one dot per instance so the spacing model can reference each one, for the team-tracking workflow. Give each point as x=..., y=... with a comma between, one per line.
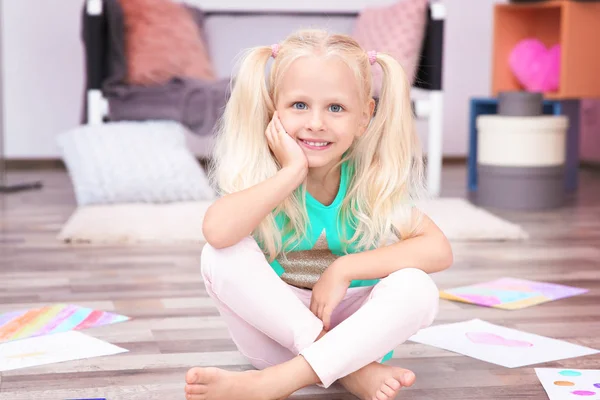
x=315, y=145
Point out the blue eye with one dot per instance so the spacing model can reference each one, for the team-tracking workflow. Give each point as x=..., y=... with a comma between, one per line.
x=299, y=105
x=335, y=108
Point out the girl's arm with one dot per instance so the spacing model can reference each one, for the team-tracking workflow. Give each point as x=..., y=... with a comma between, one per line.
x=235, y=216
x=429, y=251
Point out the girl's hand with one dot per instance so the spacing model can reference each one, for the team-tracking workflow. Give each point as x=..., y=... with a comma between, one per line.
x=328, y=292
x=284, y=146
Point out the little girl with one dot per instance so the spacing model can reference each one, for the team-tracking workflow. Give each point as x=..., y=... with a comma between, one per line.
x=316, y=258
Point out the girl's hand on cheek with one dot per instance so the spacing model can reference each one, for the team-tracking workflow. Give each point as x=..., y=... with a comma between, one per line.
x=284, y=146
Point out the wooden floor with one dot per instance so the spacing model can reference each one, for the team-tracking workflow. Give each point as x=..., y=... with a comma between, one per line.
x=176, y=326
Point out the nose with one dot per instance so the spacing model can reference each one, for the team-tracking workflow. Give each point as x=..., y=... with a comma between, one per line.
x=315, y=122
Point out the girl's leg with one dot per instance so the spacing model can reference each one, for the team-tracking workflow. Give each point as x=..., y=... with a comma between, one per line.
x=397, y=307
x=267, y=321
x=258, y=348
x=283, y=379
x=261, y=350
x=251, y=295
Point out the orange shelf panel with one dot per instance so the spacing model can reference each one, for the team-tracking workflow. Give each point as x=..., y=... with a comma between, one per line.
x=575, y=25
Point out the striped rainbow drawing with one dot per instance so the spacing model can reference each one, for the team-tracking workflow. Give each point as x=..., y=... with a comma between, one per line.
x=52, y=319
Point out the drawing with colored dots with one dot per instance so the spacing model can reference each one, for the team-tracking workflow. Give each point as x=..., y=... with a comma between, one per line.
x=564, y=383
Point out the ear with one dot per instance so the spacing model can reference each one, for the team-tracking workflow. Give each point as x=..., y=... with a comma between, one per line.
x=366, y=116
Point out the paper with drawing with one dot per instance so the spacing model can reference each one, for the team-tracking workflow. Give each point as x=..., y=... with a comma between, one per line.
x=50, y=349
x=510, y=293
x=497, y=344
x=565, y=383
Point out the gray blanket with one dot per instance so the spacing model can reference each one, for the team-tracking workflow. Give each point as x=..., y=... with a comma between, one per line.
x=194, y=103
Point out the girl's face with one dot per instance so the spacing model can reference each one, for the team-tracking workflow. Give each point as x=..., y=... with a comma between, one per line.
x=319, y=106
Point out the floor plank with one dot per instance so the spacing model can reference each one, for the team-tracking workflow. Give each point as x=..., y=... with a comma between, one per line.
x=176, y=326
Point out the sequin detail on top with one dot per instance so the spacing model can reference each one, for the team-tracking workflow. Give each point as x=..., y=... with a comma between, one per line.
x=308, y=257
x=304, y=268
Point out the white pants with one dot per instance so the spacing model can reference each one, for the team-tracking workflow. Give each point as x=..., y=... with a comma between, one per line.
x=270, y=321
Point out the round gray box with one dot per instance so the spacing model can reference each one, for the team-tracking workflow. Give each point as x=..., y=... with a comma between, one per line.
x=520, y=188
x=520, y=104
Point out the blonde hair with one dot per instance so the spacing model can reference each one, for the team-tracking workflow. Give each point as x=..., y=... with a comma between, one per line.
x=385, y=163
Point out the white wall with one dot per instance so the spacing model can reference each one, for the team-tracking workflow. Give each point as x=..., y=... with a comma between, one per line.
x=44, y=71
x=467, y=66
x=43, y=74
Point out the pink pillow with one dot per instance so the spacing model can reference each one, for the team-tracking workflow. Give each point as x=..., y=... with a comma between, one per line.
x=397, y=29
x=163, y=41
x=536, y=67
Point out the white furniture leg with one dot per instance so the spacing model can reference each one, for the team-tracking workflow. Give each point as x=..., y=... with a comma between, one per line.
x=93, y=7
x=97, y=107
x=434, y=142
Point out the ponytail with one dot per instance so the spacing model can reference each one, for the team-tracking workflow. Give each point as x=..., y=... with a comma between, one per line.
x=388, y=162
x=241, y=142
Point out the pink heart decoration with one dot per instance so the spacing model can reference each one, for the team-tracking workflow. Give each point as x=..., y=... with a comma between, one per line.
x=536, y=67
x=496, y=340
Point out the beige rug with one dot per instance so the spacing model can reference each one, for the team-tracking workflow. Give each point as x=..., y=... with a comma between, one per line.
x=182, y=223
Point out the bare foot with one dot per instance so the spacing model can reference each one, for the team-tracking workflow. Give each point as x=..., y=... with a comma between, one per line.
x=377, y=382
x=269, y=384
x=215, y=384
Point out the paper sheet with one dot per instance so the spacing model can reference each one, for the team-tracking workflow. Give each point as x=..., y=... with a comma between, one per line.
x=497, y=344
x=510, y=293
x=52, y=319
x=565, y=383
x=54, y=348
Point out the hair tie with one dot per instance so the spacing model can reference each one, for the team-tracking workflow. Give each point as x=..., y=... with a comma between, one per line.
x=274, y=50
x=372, y=56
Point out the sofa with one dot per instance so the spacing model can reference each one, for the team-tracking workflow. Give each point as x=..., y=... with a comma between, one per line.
x=108, y=98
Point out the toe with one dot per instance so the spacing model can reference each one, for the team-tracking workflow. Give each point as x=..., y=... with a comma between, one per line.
x=201, y=375
x=388, y=390
x=195, y=397
x=393, y=384
x=196, y=389
x=381, y=396
x=192, y=376
x=408, y=378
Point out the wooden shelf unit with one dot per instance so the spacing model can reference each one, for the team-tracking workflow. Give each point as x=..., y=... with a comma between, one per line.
x=575, y=25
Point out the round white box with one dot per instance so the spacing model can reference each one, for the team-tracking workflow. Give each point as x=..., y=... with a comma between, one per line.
x=521, y=141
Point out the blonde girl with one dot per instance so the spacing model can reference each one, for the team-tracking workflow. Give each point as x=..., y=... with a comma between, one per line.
x=316, y=256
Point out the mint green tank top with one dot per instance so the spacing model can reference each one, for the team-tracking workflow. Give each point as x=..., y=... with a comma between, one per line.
x=308, y=258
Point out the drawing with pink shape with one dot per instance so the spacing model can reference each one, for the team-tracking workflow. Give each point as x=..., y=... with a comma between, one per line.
x=495, y=340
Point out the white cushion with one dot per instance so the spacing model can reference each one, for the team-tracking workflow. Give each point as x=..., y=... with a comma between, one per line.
x=133, y=162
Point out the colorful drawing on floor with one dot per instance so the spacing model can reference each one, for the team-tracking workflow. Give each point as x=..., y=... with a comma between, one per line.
x=510, y=293
x=50, y=349
x=582, y=382
x=53, y=319
x=496, y=344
